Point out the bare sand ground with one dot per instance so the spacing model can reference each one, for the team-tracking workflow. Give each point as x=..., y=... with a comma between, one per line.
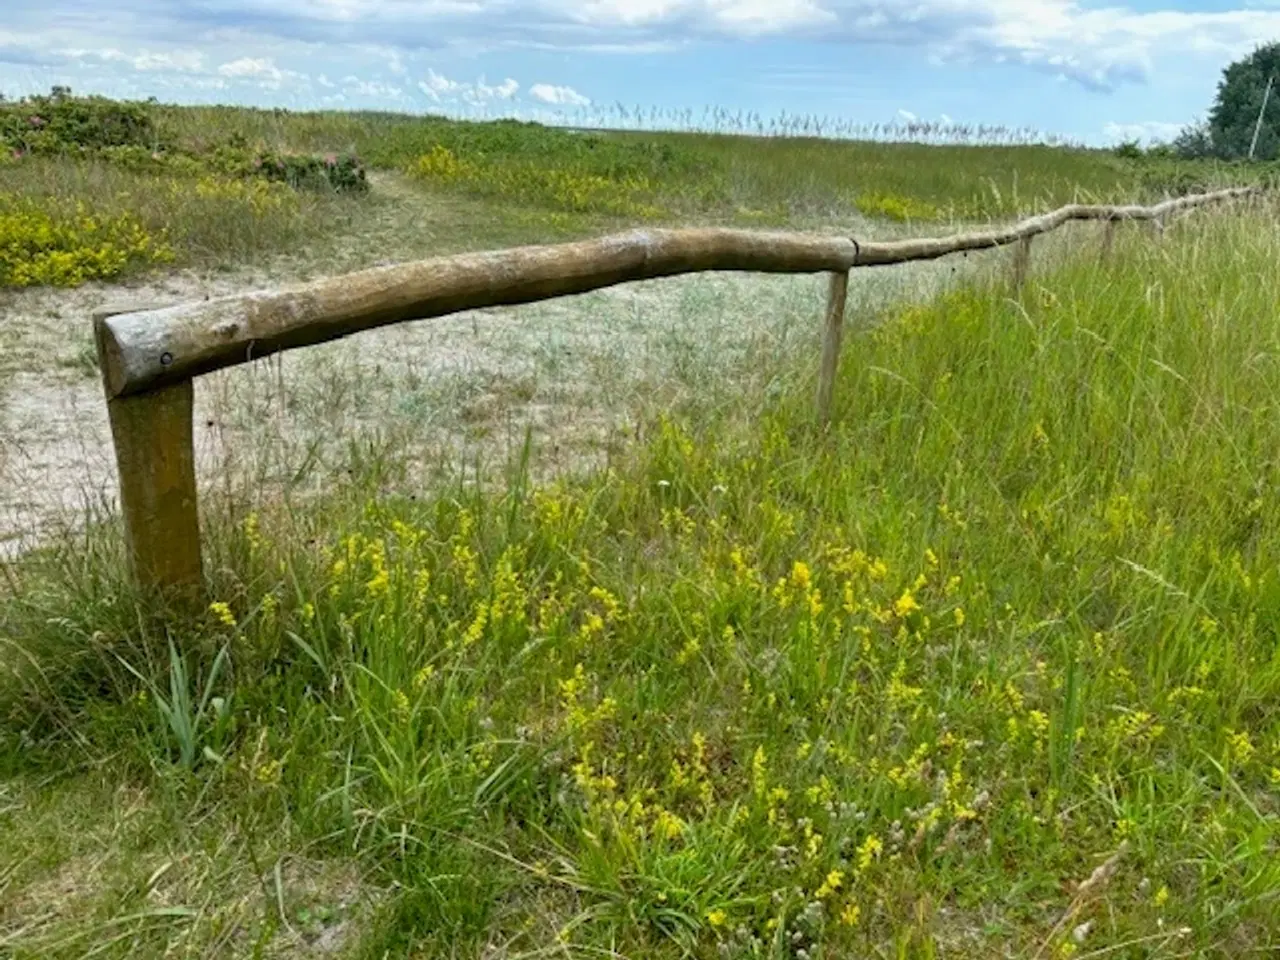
x=576, y=373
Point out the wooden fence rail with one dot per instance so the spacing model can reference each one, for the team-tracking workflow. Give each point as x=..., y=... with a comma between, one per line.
x=149, y=357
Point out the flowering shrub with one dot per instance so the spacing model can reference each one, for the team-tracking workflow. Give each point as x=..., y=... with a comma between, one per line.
x=892, y=206
x=60, y=123
x=345, y=174
x=548, y=182
x=261, y=197
x=44, y=243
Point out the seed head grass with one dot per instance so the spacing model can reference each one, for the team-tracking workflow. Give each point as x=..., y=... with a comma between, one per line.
x=987, y=667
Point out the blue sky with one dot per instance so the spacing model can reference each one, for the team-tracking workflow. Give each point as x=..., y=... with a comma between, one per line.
x=1089, y=70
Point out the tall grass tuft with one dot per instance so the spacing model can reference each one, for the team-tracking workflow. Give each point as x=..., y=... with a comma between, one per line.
x=989, y=666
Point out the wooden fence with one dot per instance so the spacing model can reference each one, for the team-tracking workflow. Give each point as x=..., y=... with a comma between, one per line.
x=149, y=358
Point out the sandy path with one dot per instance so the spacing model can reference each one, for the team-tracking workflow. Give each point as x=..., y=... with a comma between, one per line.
x=573, y=370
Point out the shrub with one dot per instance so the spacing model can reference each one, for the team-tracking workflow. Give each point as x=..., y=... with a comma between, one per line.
x=1129, y=150
x=344, y=174
x=125, y=134
x=549, y=182
x=61, y=123
x=47, y=243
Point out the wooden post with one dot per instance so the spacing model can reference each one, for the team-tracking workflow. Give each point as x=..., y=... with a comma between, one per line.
x=1108, y=240
x=837, y=296
x=155, y=458
x=1021, y=263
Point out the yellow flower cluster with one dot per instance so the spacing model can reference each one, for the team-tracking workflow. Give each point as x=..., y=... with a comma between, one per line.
x=893, y=206
x=261, y=197
x=552, y=186
x=44, y=242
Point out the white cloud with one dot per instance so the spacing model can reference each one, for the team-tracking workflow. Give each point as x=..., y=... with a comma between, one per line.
x=907, y=116
x=1097, y=43
x=1099, y=47
x=738, y=17
x=507, y=89
x=1148, y=131
x=437, y=86
x=174, y=61
x=262, y=71
x=248, y=67
x=371, y=88
x=441, y=89
x=559, y=96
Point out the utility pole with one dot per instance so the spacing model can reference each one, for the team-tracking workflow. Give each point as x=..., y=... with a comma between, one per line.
x=1257, y=128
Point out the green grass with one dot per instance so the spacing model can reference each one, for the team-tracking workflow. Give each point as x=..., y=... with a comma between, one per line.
x=200, y=193
x=207, y=220
x=988, y=668
x=770, y=179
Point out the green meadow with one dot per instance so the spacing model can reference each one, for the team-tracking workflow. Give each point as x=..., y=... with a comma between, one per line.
x=987, y=667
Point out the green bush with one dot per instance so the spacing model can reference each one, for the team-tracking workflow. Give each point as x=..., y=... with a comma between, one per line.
x=302, y=171
x=48, y=242
x=62, y=123
x=125, y=134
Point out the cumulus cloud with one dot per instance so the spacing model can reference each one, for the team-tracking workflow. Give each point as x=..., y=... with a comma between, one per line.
x=558, y=96
x=739, y=17
x=174, y=61
x=1147, y=131
x=1097, y=43
x=437, y=86
x=507, y=89
x=441, y=89
x=371, y=88
x=260, y=70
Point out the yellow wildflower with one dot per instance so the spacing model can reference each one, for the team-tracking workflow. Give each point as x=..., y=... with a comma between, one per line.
x=833, y=882
x=222, y=613
x=870, y=850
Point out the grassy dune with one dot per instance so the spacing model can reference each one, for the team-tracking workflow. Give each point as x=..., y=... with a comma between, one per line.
x=989, y=668
x=190, y=180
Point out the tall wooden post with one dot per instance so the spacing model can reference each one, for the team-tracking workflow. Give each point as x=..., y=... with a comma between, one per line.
x=837, y=296
x=1108, y=240
x=155, y=458
x=1021, y=263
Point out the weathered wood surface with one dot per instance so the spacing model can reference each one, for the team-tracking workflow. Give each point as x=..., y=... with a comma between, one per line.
x=837, y=295
x=149, y=349
x=1108, y=241
x=155, y=457
x=874, y=254
x=1022, y=262
x=153, y=437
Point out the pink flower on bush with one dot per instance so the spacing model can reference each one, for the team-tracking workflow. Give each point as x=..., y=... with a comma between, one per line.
x=331, y=160
x=37, y=121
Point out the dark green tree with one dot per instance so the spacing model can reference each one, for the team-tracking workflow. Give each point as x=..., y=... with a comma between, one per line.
x=1240, y=96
